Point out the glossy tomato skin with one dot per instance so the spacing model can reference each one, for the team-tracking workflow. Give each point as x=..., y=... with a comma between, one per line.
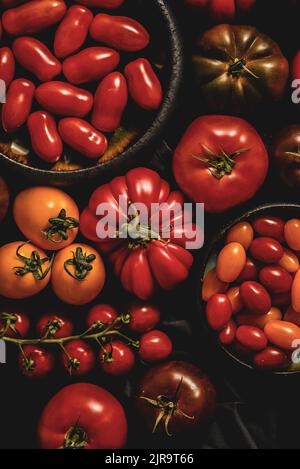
x=101, y=3
x=119, y=32
x=33, y=16
x=266, y=250
x=292, y=316
x=271, y=359
x=250, y=271
x=292, y=234
x=289, y=261
x=101, y=313
x=18, y=104
x=4, y=199
x=222, y=11
x=144, y=317
x=235, y=299
x=212, y=285
x=255, y=298
x=144, y=85
x=54, y=326
x=231, y=262
x=269, y=227
x=252, y=338
x=241, y=233
x=82, y=137
x=42, y=362
x=64, y=99
x=296, y=292
x=72, y=31
x=19, y=325
x=7, y=65
x=276, y=279
x=218, y=312
x=110, y=102
x=45, y=139
x=227, y=335
x=285, y=151
x=122, y=359
x=155, y=346
x=102, y=418
x=246, y=319
x=78, y=358
x=231, y=134
x=282, y=334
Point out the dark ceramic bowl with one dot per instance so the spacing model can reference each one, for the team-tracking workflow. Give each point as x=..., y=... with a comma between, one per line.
x=282, y=210
x=157, y=16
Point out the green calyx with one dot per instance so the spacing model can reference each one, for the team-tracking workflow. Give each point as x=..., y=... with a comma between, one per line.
x=60, y=225
x=33, y=264
x=239, y=66
x=222, y=165
x=76, y=438
x=82, y=263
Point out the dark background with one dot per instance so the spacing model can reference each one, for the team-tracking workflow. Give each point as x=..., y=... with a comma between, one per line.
x=253, y=411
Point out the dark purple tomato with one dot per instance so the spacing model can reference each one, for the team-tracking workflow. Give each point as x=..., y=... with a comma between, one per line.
x=218, y=312
x=255, y=297
x=266, y=250
x=252, y=338
x=271, y=359
x=271, y=227
x=276, y=279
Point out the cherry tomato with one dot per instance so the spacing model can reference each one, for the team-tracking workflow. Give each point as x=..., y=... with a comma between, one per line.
x=231, y=262
x=144, y=86
x=82, y=137
x=78, y=358
x=271, y=359
x=235, y=299
x=227, y=335
x=110, y=102
x=281, y=299
x=296, y=292
x=18, y=104
x=14, y=324
x=241, y=233
x=289, y=261
x=292, y=234
x=45, y=139
x=255, y=298
x=35, y=362
x=118, y=358
x=266, y=250
x=155, y=346
x=259, y=321
x=33, y=16
x=270, y=227
x=249, y=272
x=282, y=334
x=218, y=312
x=275, y=279
x=292, y=316
x=212, y=285
x=64, y=99
x=119, y=32
x=91, y=64
x=47, y=216
x=144, y=317
x=7, y=65
x=54, y=326
x=251, y=337
x=101, y=314
x=72, y=31
x=101, y=3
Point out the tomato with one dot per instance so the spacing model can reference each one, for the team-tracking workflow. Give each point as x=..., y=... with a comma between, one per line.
x=247, y=319
x=45, y=140
x=110, y=102
x=101, y=314
x=72, y=31
x=7, y=65
x=82, y=137
x=78, y=358
x=227, y=335
x=220, y=161
x=276, y=279
x=47, y=216
x=101, y=3
x=33, y=16
x=35, y=362
x=249, y=272
x=119, y=32
x=266, y=250
x=144, y=85
x=14, y=324
x=54, y=326
x=179, y=386
x=281, y=299
x=255, y=298
x=83, y=416
x=118, y=358
x=252, y=338
x=285, y=152
x=155, y=346
x=18, y=104
x=231, y=262
x=212, y=285
x=78, y=274
x=218, y=312
x=24, y=270
x=289, y=261
x=241, y=233
x=292, y=234
x=144, y=317
x=235, y=299
x=296, y=292
x=292, y=316
x=64, y=99
x=270, y=227
x=4, y=199
x=222, y=10
x=282, y=334
x=271, y=359
x=238, y=69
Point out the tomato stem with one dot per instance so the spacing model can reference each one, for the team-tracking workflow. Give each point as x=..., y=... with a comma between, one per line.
x=33, y=264
x=222, y=165
x=82, y=263
x=60, y=225
x=76, y=438
x=238, y=66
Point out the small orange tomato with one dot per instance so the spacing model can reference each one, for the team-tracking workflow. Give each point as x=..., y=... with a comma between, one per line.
x=235, y=299
x=47, y=216
x=231, y=261
x=212, y=285
x=292, y=234
x=24, y=270
x=4, y=199
x=289, y=261
x=259, y=321
x=282, y=333
x=292, y=316
x=78, y=274
x=296, y=292
x=241, y=233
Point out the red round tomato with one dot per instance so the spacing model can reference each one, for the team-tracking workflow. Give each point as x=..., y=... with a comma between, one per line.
x=218, y=312
x=35, y=362
x=117, y=358
x=78, y=358
x=255, y=298
x=144, y=317
x=14, y=324
x=155, y=346
x=252, y=338
x=54, y=326
x=101, y=314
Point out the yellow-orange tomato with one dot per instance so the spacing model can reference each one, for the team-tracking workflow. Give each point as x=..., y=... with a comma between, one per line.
x=231, y=261
x=259, y=321
x=235, y=299
x=296, y=292
x=4, y=198
x=78, y=274
x=292, y=316
x=242, y=233
x=47, y=216
x=282, y=334
x=292, y=234
x=289, y=261
x=20, y=275
x=212, y=285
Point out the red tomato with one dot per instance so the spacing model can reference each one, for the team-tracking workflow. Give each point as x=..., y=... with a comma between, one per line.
x=241, y=233
x=18, y=104
x=218, y=312
x=110, y=102
x=235, y=299
x=119, y=32
x=155, y=346
x=82, y=137
x=282, y=334
x=271, y=359
x=227, y=335
x=292, y=234
x=289, y=261
x=45, y=139
x=35, y=362
x=78, y=358
x=249, y=272
x=64, y=99
x=222, y=10
x=54, y=326
x=251, y=338
x=255, y=298
x=270, y=227
x=144, y=317
x=144, y=85
x=212, y=285
x=221, y=161
x=101, y=3
x=14, y=324
x=33, y=16
x=91, y=64
x=231, y=262
x=83, y=416
x=101, y=314
x=118, y=358
x=292, y=316
x=266, y=250
x=296, y=292
x=7, y=65
x=72, y=31
x=275, y=279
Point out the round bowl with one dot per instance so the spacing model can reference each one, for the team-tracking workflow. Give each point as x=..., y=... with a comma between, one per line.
x=156, y=15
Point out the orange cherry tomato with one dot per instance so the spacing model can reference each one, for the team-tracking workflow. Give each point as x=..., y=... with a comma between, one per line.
x=231, y=261
x=24, y=270
x=292, y=234
x=282, y=333
x=289, y=261
x=241, y=233
x=47, y=216
x=235, y=299
x=296, y=292
x=259, y=321
x=78, y=274
x=212, y=285
x=292, y=316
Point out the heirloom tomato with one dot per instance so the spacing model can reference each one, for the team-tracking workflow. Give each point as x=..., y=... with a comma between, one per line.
x=286, y=154
x=117, y=358
x=7, y=65
x=222, y=10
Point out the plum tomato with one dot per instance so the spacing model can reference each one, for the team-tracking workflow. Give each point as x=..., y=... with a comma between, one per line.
x=117, y=358
x=275, y=279
x=7, y=65
x=227, y=335
x=35, y=362
x=17, y=107
x=296, y=292
x=255, y=298
x=45, y=139
x=241, y=233
x=101, y=314
x=271, y=359
x=212, y=285
x=144, y=317
x=289, y=261
x=235, y=299
x=246, y=319
x=231, y=262
x=292, y=234
x=78, y=358
x=54, y=326
x=155, y=346
x=218, y=311
x=250, y=272
x=282, y=334
x=292, y=316
x=266, y=250
x=252, y=338
x=14, y=324
x=270, y=227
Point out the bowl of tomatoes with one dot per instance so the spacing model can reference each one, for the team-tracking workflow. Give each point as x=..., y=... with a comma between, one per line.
x=250, y=290
x=92, y=83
